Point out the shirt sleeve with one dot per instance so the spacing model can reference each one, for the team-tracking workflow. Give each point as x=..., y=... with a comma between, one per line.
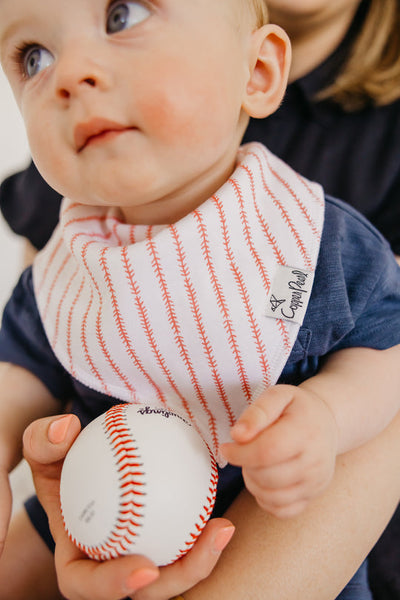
x=23, y=341
x=355, y=300
x=30, y=206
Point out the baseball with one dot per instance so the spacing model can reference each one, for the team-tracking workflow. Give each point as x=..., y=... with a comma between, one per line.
x=137, y=480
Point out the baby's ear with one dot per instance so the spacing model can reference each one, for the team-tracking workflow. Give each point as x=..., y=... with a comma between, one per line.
x=269, y=65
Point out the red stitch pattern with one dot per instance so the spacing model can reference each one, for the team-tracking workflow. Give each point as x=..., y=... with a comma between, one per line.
x=122, y=329
x=309, y=189
x=132, y=495
x=66, y=259
x=271, y=239
x=151, y=338
x=206, y=511
x=266, y=215
x=296, y=198
x=221, y=301
x=49, y=263
x=99, y=334
x=195, y=309
x=280, y=323
x=254, y=326
x=285, y=336
x=246, y=226
x=60, y=305
x=174, y=322
x=69, y=328
x=286, y=217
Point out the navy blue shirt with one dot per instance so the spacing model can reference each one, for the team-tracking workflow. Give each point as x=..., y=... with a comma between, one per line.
x=355, y=301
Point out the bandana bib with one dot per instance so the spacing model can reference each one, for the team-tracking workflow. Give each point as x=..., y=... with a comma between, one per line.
x=198, y=317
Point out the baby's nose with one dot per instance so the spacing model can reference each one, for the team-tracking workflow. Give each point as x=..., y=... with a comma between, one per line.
x=78, y=72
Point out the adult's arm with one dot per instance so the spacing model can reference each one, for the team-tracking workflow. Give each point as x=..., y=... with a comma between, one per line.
x=312, y=556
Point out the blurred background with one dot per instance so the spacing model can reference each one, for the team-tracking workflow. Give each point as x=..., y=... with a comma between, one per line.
x=14, y=155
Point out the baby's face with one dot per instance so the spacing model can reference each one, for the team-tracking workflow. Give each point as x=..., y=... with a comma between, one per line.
x=136, y=104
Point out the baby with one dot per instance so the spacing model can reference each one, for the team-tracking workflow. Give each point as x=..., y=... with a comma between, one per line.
x=187, y=271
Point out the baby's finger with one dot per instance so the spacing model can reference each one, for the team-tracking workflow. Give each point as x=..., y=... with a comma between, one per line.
x=290, y=511
x=274, y=446
x=279, y=502
x=279, y=476
x=262, y=413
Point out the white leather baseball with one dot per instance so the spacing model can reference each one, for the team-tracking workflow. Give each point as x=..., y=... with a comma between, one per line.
x=137, y=480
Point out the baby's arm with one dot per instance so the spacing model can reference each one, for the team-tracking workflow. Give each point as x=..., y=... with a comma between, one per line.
x=288, y=440
x=23, y=398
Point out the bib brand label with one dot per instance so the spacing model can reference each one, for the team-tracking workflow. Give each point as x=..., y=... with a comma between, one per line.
x=289, y=294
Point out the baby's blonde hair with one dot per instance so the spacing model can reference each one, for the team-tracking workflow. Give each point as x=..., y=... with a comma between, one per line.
x=371, y=75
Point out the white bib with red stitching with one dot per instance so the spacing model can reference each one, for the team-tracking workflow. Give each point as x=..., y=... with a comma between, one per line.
x=199, y=316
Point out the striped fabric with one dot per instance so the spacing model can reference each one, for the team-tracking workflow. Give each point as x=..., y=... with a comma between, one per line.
x=174, y=315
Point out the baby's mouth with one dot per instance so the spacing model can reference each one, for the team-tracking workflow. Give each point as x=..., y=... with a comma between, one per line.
x=97, y=130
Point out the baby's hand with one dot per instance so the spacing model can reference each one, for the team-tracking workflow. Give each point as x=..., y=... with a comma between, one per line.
x=286, y=444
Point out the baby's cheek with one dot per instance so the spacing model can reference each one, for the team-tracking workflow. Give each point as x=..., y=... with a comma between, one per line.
x=51, y=159
x=183, y=113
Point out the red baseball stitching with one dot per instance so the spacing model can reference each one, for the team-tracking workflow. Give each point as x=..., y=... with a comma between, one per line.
x=132, y=477
x=206, y=511
x=131, y=484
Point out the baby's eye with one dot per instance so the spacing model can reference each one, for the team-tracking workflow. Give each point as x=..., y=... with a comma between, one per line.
x=122, y=15
x=34, y=59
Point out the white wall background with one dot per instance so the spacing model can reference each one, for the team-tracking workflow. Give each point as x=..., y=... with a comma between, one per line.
x=14, y=155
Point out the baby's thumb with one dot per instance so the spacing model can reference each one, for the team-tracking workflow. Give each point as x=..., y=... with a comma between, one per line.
x=262, y=413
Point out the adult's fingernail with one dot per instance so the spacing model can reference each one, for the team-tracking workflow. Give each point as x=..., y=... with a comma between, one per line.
x=58, y=429
x=141, y=578
x=223, y=538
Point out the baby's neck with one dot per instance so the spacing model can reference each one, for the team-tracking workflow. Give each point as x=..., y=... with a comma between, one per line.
x=173, y=207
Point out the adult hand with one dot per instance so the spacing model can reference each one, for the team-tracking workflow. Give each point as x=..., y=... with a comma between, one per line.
x=46, y=443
